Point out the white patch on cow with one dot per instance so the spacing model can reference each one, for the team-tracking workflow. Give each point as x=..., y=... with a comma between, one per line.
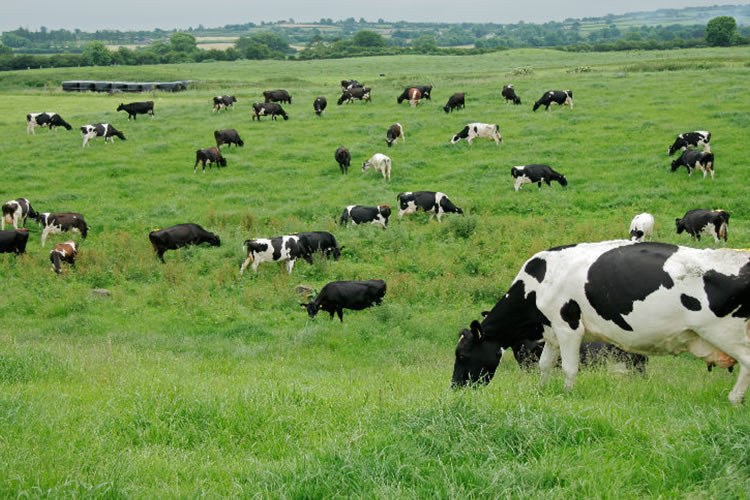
x=521, y=180
x=411, y=207
x=50, y=230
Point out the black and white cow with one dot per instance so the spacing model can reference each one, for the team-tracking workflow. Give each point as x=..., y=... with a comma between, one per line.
x=228, y=136
x=478, y=130
x=350, y=84
x=271, y=109
x=100, y=130
x=14, y=241
x=318, y=242
x=62, y=222
x=280, y=249
x=63, y=252
x=343, y=158
x=424, y=90
x=561, y=97
x=359, y=214
x=49, y=119
x=15, y=211
x=535, y=174
x=695, y=160
x=393, y=133
x=339, y=295
x=280, y=95
x=648, y=298
x=319, y=105
x=712, y=222
x=436, y=203
x=223, y=101
x=358, y=93
x=509, y=93
x=456, y=101
x=210, y=156
x=699, y=138
x=180, y=235
x=137, y=108
x=380, y=163
x=642, y=226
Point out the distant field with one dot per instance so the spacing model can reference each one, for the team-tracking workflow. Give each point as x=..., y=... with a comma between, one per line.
x=193, y=380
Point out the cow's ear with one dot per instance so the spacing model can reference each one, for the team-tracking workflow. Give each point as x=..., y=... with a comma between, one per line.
x=477, y=330
x=342, y=247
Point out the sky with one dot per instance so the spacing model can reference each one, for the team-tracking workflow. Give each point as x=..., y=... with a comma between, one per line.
x=89, y=15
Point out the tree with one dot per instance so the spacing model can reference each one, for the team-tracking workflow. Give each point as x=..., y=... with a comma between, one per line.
x=96, y=54
x=721, y=31
x=424, y=43
x=5, y=51
x=367, y=38
x=183, y=42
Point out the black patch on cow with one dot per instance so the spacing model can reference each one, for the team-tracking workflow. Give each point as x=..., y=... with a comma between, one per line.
x=571, y=313
x=276, y=243
x=624, y=275
x=728, y=294
x=561, y=247
x=690, y=303
x=537, y=268
x=515, y=317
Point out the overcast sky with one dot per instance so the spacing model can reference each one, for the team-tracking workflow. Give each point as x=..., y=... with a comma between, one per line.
x=90, y=15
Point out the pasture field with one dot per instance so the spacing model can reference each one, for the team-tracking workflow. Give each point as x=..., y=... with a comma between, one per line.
x=192, y=380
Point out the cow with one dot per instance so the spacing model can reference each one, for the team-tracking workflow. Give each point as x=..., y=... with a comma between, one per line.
x=180, y=235
x=280, y=95
x=699, y=220
x=14, y=241
x=343, y=158
x=359, y=214
x=456, y=101
x=15, y=211
x=63, y=252
x=268, y=108
x=648, y=298
x=62, y=222
x=100, y=130
x=223, y=101
x=137, y=108
x=228, y=136
x=535, y=174
x=430, y=201
x=641, y=227
x=381, y=163
x=319, y=105
x=280, y=249
x=359, y=93
x=393, y=133
x=49, y=120
x=339, y=295
x=561, y=97
x=350, y=84
x=699, y=138
x=478, y=130
x=695, y=160
x=425, y=90
x=318, y=241
x=509, y=94
x=210, y=156
x=414, y=96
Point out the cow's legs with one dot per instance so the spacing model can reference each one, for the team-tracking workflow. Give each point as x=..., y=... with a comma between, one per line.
x=289, y=266
x=549, y=357
x=245, y=264
x=570, y=352
x=733, y=342
x=340, y=312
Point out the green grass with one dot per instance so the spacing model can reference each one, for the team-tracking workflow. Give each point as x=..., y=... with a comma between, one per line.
x=191, y=380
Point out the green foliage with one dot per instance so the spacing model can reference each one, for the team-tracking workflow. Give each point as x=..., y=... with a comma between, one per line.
x=424, y=43
x=183, y=42
x=367, y=38
x=96, y=54
x=721, y=31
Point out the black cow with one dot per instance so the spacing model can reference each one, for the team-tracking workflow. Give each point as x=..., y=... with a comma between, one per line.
x=100, y=130
x=224, y=101
x=359, y=214
x=359, y=93
x=339, y=295
x=344, y=159
x=15, y=211
x=268, y=108
x=280, y=95
x=137, y=108
x=456, y=101
x=62, y=222
x=319, y=105
x=509, y=94
x=14, y=241
x=49, y=120
x=425, y=90
x=695, y=160
x=63, y=252
x=528, y=353
x=318, y=241
x=180, y=235
x=210, y=156
x=530, y=174
x=393, y=133
x=712, y=222
x=436, y=203
x=228, y=136
x=699, y=138
x=561, y=97
x=350, y=84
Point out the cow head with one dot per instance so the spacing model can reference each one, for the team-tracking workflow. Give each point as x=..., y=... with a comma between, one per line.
x=345, y=95
x=563, y=181
x=476, y=357
x=222, y=161
x=461, y=135
x=676, y=164
x=680, y=225
x=312, y=308
x=214, y=240
x=679, y=143
x=120, y=107
x=385, y=210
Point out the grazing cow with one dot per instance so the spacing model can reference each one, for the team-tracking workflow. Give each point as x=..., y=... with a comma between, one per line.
x=224, y=101
x=180, y=235
x=279, y=249
x=478, y=130
x=339, y=295
x=48, y=119
x=509, y=94
x=414, y=97
x=318, y=241
x=210, y=156
x=531, y=174
x=425, y=90
x=649, y=298
x=60, y=223
x=14, y=241
x=642, y=226
x=359, y=93
x=137, y=108
x=228, y=136
x=699, y=220
x=381, y=163
x=393, y=133
x=63, y=252
x=456, y=101
x=699, y=138
x=17, y=210
x=529, y=352
x=561, y=97
x=344, y=158
x=359, y=214
x=695, y=160
x=430, y=201
x=100, y=130
x=350, y=84
x=268, y=108
x=320, y=105
x=277, y=96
